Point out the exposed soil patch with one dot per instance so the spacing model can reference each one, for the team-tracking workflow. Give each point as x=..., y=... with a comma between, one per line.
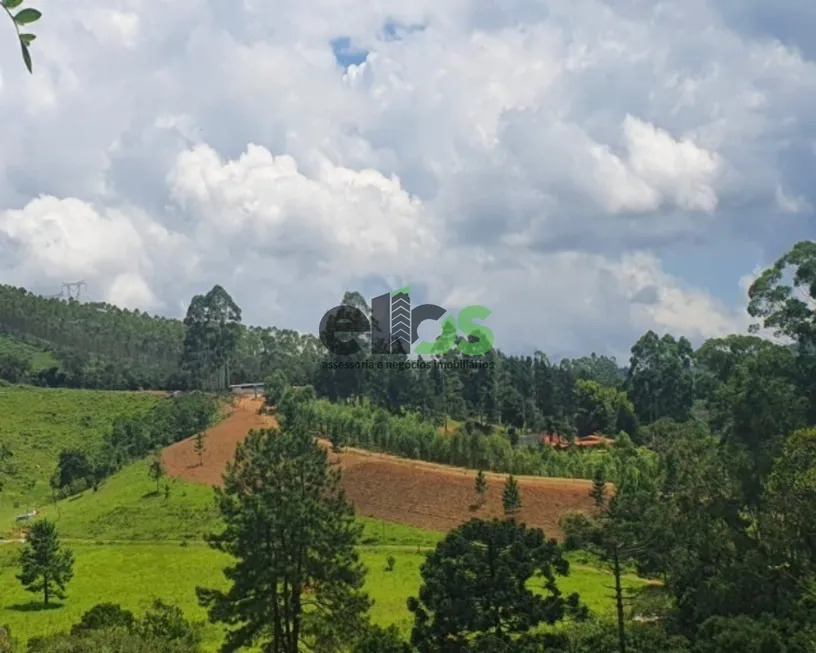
x=415, y=493
x=219, y=446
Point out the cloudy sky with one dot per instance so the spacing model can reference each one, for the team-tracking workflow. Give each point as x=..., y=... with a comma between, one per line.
x=587, y=170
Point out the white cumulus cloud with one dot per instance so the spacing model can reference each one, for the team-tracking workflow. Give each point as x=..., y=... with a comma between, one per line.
x=566, y=163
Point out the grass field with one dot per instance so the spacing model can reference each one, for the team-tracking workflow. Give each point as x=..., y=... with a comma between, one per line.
x=126, y=508
x=37, y=423
x=38, y=359
x=133, y=544
x=130, y=548
x=133, y=574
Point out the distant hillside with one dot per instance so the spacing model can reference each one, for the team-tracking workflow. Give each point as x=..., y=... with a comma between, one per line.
x=35, y=358
x=37, y=423
x=66, y=343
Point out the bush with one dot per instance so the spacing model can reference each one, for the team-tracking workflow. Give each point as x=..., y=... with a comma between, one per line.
x=746, y=635
x=77, y=486
x=381, y=640
x=110, y=640
x=102, y=616
x=73, y=466
x=579, y=529
x=167, y=622
x=513, y=436
x=107, y=628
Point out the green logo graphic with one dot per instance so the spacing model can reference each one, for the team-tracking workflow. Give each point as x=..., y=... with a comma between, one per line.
x=394, y=327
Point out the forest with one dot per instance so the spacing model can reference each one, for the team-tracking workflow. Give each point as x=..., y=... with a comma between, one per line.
x=708, y=489
x=101, y=346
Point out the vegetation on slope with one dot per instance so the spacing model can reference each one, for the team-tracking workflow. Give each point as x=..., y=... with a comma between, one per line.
x=725, y=515
x=18, y=357
x=150, y=546
x=364, y=426
x=37, y=423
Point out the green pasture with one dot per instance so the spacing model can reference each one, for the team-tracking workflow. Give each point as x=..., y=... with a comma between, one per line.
x=37, y=423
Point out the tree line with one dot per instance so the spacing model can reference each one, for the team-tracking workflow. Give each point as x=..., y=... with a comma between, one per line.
x=101, y=346
x=720, y=511
x=736, y=567
x=365, y=426
x=295, y=582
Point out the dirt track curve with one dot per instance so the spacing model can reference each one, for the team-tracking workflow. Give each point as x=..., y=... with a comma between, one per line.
x=410, y=492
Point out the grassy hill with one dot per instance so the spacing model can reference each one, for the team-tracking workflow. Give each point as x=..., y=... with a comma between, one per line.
x=126, y=508
x=38, y=359
x=146, y=546
x=37, y=423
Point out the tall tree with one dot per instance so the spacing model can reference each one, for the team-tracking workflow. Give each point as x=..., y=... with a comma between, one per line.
x=790, y=518
x=475, y=587
x=753, y=412
x=601, y=369
x=511, y=497
x=274, y=387
x=296, y=581
x=787, y=308
x=786, y=303
x=601, y=409
x=213, y=328
x=44, y=565
x=73, y=465
x=660, y=379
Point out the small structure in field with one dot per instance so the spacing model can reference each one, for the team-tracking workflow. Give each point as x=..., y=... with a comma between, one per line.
x=595, y=440
x=247, y=388
x=554, y=440
x=26, y=517
x=587, y=442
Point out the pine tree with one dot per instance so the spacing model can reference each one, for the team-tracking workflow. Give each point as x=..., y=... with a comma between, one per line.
x=199, y=446
x=511, y=497
x=476, y=593
x=598, y=491
x=44, y=566
x=296, y=579
x=481, y=487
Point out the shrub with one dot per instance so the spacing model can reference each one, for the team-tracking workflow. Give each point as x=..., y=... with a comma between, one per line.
x=578, y=530
x=77, y=486
x=102, y=616
x=167, y=622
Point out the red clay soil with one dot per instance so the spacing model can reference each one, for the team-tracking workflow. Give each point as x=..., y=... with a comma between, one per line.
x=181, y=460
x=416, y=493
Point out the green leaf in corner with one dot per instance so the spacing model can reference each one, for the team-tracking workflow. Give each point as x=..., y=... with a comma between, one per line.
x=27, y=16
x=27, y=38
x=11, y=4
x=26, y=56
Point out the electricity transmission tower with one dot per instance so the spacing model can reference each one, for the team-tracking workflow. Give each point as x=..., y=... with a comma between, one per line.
x=74, y=289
